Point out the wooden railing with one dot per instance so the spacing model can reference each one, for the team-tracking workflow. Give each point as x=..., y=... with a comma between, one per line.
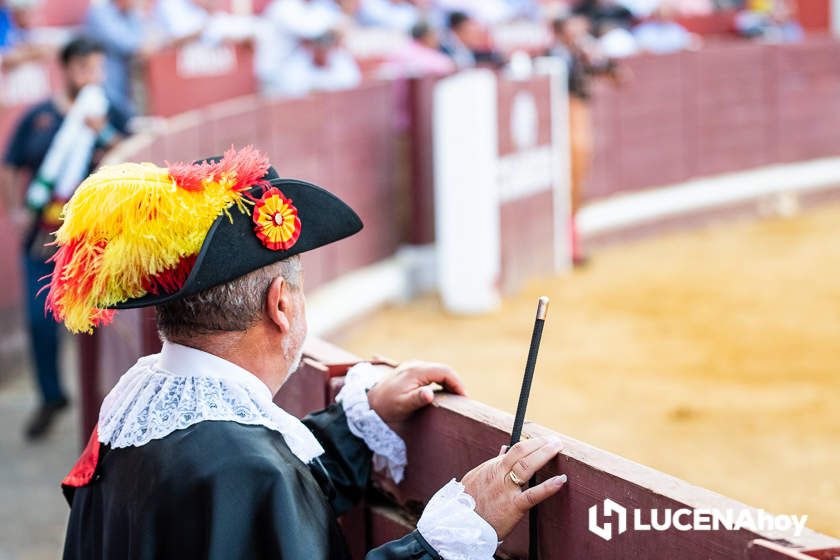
x=455, y=434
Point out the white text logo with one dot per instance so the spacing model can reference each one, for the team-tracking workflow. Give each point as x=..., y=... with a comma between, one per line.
x=617, y=519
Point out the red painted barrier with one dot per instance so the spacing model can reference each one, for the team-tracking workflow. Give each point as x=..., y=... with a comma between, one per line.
x=729, y=107
x=720, y=23
x=525, y=221
x=196, y=75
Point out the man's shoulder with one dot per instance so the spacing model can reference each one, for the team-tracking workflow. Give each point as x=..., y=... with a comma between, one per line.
x=39, y=108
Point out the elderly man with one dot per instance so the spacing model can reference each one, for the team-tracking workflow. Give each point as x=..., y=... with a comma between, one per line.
x=191, y=458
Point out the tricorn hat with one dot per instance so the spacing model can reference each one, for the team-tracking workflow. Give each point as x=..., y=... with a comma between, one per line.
x=136, y=235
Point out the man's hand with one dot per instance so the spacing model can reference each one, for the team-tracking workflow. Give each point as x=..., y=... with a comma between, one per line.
x=408, y=389
x=498, y=499
x=96, y=124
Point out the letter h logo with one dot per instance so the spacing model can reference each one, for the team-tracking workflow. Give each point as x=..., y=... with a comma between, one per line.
x=610, y=508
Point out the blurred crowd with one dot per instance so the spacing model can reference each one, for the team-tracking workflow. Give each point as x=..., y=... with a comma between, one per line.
x=306, y=45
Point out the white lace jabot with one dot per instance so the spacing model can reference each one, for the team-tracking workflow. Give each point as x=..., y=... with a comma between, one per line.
x=182, y=386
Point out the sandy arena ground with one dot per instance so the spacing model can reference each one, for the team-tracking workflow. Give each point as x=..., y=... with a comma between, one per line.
x=712, y=355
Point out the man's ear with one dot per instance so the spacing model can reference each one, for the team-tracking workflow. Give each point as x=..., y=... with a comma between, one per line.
x=278, y=304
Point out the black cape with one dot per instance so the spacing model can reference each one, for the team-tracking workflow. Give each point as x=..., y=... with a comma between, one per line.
x=222, y=490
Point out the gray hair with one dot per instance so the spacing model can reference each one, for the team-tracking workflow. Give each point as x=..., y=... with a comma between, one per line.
x=234, y=306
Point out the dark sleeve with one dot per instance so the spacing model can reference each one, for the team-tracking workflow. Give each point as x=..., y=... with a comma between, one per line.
x=347, y=464
x=14, y=156
x=118, y=117
x=412, y=546
x=344, y=468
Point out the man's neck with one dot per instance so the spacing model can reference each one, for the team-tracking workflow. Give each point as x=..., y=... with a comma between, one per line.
x=240, y=349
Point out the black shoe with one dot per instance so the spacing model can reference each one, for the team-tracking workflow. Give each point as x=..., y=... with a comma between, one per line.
x=43, y=419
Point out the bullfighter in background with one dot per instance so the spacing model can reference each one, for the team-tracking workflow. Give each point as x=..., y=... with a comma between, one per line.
x=191, y=458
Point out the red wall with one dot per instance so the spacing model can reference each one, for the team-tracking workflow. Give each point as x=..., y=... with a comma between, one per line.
x=726, y=108
x=171, y=88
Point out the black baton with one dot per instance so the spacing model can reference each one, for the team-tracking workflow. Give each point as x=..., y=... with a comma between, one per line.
x=519, y=420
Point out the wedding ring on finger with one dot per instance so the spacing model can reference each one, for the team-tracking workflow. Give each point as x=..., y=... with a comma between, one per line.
x=516, y=480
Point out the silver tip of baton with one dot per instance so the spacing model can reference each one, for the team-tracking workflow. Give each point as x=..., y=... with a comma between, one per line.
x=542, y=308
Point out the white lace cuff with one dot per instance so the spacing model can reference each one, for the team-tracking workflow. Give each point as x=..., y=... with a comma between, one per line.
x=388, y=448
x=453, y=528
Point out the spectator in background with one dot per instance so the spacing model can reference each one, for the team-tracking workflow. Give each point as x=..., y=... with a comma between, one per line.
x=182, y=21
x=467, y=44
x=10, y=28
x=120, y=27
x=420, y=57
x=15, y=23
x=616, y=41
x=293, y=19
x=82, y=63
x=771, y=20
x=286, y=23
x=317, y=63
x=574, y=44
x=604, y=15
x=485, y=12
x=660, y=34
x=399, y=15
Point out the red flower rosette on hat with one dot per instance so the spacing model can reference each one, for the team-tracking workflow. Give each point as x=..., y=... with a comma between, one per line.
x=276, y=221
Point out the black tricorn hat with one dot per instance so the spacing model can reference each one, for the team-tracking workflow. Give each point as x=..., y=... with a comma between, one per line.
x=232, y=249
x=137, y=235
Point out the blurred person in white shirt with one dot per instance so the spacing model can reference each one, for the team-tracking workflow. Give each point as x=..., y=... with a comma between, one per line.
x=660, y=34
x=773, y=21
x=284, y=24
x=400, y=15
x=293, y=19
x=317, y=63
x=181, y=21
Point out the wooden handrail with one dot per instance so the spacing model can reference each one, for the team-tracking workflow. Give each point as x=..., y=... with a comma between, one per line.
x=454, y=434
